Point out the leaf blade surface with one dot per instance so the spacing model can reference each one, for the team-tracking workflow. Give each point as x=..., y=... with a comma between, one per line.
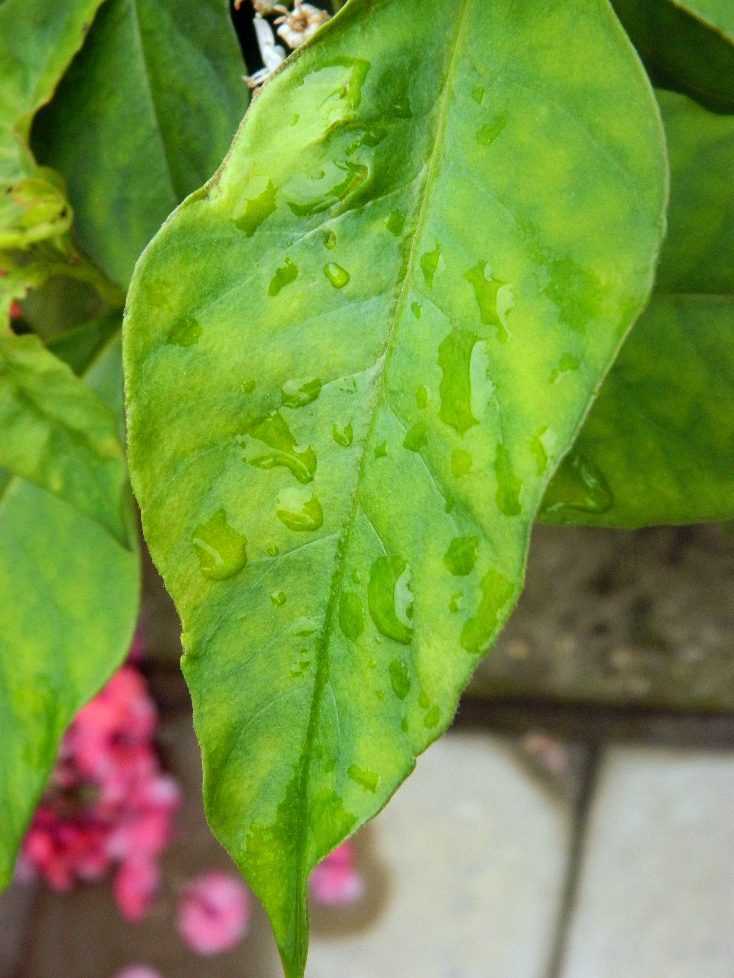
x=658, y=445
x=386, y=256
x=69, y=597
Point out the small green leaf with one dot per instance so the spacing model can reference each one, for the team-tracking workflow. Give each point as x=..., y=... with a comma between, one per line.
x=38, y=39
x=57, y=434
x=69, y=597
x=321, y=667
x=143, y=117
x=658, y=445
x=687, y=45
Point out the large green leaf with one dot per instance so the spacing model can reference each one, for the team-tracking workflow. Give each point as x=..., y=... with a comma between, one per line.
x=688, y=45
x=57, y=434
x=143, y=117
x=68, y=607
x=658, y=446
x=340, y=363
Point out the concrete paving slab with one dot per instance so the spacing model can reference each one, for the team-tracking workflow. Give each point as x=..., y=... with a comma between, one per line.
x=474, y=850
x=656, y=892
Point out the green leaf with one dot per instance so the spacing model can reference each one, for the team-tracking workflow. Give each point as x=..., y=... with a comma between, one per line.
x=69, y=600
x=38, y=39
x=687, y=45
x=658, y=446
x=57, y=434
x=405, y=239
x=143, y=117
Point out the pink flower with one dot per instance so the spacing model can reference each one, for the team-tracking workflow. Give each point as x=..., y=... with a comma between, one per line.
x=108, y=802
x=336, y=881
x=135, y=884
x=214, y=913
x=138, y=971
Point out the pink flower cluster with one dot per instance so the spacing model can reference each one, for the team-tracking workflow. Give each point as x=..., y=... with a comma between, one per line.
x=108, y=803
x=336, y=881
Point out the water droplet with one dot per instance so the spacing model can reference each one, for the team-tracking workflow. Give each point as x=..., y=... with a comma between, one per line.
x=508, y=484
x=283, y=276
x=248, y=387
x=461, y=556
x=351, y=617
x=497, y=590
x=257, y=210
x=299, y=510
x=276, y=435
x=365, y=779
x=404, y=724
x=421, y=397
x=185, y=332
x=491, y=130
x=423, y=700
x=220, y=549
x=461, y=463
x=272, y=550
x=356, y=576
x=477, y=93
x=356, y=174
x=299, y=393
x=568, y=362
x=492, y=309
x=416, y=437
x=343, y=436
x=399, y=678
x=337, y=275
x=578, y=486
x=455, y=602
x=431, y=718
x=416, y=309
x=429, y=264
x=351, y=92
x=329, y=239
x=396, y=223
x=294, y=121
x=390, y=599
x=278, y=598
x=454, y=359
x=379, y=695
x=381, y=450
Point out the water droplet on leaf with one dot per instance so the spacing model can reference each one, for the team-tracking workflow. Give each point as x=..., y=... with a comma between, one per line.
x=248, y=387
x=497, y=590
x=276, y=435
x=508, y=484
x=429, y=264
x=390, y=599
x=477, y=93
x=461, y=556
x=343, y=436
x=273, y=550
x=431, y=718
x=421, y=397
x=399, y=678
x=220, y=549
x=329, y=239
x=365, y=779
x=416, y=309
x=416, y=437
x=396, y=223
x=491, y=130
x=257, y=210
x=337, y=275
x=185, y=332
x=278, y=598
x=454, y=359
x=381, y=450
x=284, y=275
x=297, y=393
x=486, y=292
x=299, y=510
x=351, y=617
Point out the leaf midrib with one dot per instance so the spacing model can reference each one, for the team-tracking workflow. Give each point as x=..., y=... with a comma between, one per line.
x=322, y=649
